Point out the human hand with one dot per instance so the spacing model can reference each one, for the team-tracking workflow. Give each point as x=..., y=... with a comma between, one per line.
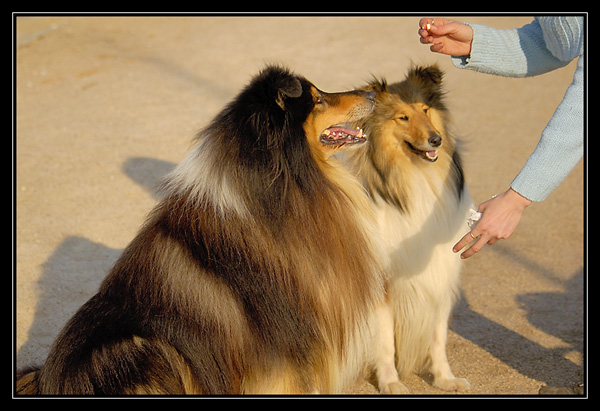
x=446, y=36
x=500, y=216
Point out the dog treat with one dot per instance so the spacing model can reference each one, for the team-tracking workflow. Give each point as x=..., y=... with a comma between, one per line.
x=428, y=27
x=473, y=218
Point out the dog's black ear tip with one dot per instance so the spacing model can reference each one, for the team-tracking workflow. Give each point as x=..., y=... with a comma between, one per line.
x=292, y=88
x=431, y=73
x=289, y=88
x=281, y=79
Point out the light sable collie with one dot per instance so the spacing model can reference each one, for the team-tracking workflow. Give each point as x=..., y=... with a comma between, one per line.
x=255, y=274
x=412, y=170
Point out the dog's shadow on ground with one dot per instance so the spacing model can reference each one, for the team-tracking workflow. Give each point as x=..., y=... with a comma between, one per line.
x=89, y=262
x=75, y=270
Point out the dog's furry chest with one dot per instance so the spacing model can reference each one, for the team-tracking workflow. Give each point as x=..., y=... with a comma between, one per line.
x=431, y=225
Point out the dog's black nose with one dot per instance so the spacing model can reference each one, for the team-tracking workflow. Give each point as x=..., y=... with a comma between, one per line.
x=371, y=95
x=435, y=140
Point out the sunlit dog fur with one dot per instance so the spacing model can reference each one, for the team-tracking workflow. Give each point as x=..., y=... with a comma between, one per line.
x=412, y=171
x=255, y=274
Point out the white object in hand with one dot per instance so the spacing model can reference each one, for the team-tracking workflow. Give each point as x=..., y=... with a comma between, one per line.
x=473, y=218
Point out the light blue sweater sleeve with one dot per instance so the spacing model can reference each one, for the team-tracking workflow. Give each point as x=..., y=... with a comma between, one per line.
x=544, y=45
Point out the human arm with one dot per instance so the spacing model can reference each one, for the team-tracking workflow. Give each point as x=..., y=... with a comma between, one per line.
x=541, y=46
x=520, y=52
x=560, y=147
x=559, y=150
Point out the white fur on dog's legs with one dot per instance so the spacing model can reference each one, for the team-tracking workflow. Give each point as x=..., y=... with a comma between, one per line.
x=443, y=377
x=385, y=369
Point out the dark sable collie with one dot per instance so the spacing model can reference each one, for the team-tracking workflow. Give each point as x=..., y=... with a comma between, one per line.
x=412, y=170
x=254, y=274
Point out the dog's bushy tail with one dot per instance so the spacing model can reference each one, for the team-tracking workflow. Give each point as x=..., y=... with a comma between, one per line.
x=27, y=382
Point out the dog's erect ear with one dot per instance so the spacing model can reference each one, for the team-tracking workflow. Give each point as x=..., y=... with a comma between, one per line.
x=290, y=88
x=428, y=82
x=430, y=74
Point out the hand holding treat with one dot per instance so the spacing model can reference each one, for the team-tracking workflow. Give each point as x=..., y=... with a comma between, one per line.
x=499, y=218
x=446, y=36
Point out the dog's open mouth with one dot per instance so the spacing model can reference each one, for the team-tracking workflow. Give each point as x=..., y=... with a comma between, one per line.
x=343, y=134
x=429, y=155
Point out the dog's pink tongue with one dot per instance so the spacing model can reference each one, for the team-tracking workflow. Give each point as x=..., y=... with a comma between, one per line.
x=432, y=153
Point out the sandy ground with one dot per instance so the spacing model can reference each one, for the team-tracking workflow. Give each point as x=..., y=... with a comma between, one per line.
x=105, y=106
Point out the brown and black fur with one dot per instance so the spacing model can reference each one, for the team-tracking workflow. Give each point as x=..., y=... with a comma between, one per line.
x=253, y=275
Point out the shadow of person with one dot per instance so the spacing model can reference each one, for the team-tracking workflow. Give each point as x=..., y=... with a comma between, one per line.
x=560, y=314
x=557, y=314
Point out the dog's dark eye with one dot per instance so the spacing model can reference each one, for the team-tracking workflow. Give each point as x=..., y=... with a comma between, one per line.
x=403, y=118
x=425, y=110
x=320, y=100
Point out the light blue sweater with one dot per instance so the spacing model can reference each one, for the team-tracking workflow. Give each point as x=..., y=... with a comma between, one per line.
x=544, y=45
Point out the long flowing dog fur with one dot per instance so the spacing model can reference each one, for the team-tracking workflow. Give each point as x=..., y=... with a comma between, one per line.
x=419, y=197
x=254, y=274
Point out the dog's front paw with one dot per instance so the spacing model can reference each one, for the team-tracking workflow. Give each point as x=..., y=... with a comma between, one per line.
x=393, y=388
x=452, y=384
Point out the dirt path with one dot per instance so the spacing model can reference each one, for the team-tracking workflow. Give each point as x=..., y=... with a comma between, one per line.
x=106, y=106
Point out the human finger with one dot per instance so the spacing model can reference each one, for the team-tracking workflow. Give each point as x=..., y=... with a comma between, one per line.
x=437, y=47
x=477, y=243
x=463, y=242
x=439, y=29
x=474, y=249
x=424, y=36
x=433, y=21
x=425, y=21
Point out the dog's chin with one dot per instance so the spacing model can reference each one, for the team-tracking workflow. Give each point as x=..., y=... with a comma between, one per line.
x=342, y=136
x=427, y=155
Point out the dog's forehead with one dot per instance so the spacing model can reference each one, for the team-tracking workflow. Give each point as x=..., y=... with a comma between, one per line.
x=391, y=100
x=395, y=100
x=314, y=90
x=390, y=105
